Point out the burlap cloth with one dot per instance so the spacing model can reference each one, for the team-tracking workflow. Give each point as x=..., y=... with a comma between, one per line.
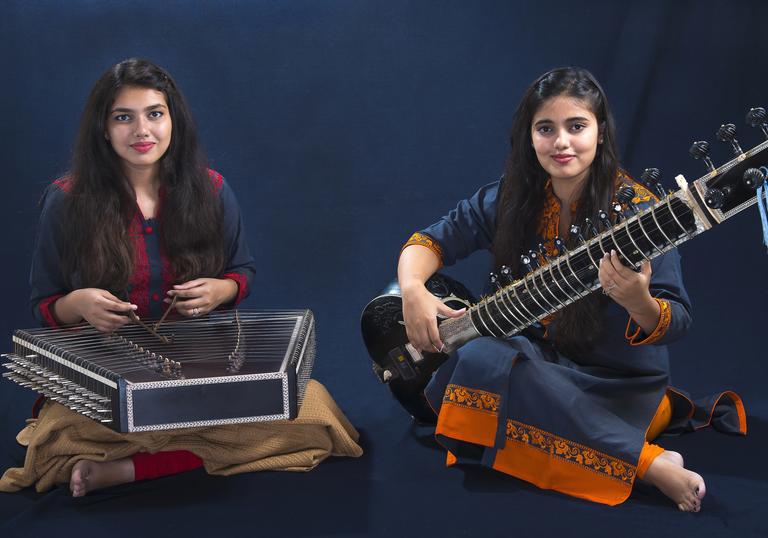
x=59, y=438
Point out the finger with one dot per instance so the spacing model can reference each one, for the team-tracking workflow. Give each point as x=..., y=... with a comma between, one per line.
x=434, y=337
x=109, y=322
x=645, y=269
x=418, y=336
x=445, y=310
x=622, y=272
x=191, y=293
x=191, y=284
x=608, y=270
x=115, y=305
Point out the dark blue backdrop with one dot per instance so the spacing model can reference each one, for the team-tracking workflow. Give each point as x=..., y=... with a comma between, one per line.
x=344, y=125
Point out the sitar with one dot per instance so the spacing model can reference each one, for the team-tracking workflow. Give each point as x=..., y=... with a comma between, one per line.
x=553, y=283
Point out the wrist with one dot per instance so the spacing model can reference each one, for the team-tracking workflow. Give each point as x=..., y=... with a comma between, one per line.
x=228, y=289
x=646, y=306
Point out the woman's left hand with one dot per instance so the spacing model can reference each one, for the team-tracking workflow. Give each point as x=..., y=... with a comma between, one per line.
x=200, y=296
x=630, y=289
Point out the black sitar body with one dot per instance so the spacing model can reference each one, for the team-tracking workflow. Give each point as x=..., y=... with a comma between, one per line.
x=395, y=362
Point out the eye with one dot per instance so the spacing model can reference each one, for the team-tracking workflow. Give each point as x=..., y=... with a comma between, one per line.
x=122, y=117
x=544, y=129
x=576, y=127
x=155, y=114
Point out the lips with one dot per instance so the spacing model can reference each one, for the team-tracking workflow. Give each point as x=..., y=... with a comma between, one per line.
x=143, y=147
x=563, y=158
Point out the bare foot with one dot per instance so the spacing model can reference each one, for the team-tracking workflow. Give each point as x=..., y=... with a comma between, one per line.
x=91, y=475
x=684, y=487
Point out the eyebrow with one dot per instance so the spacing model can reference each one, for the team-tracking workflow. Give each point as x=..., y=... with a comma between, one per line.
x=576, y=118
x=146, y=109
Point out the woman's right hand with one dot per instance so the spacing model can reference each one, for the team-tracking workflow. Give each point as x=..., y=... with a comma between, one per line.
x=420, y=312
x=100, y=308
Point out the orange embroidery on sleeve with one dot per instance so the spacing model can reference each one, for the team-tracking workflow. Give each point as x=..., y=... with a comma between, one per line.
x=425, y=241
x=638, y=339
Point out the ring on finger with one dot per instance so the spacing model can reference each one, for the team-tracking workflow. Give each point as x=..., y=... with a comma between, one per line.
x=607, y=290
x=195, y=312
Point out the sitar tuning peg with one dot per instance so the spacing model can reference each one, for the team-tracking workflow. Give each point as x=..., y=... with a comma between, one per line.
x=625, y=195
x=700, y=150
x=714, y=198
x=575, y=232
x=526, y=261
x=727, y=133
x=590, y=227
x=534, y=259
x=506, y=274
x=604, y=219
x=618, y=210
x=560, y=245
x=652, y=178
x=753, y=178
x=757, y=117
x=494, y=278
x=543, y=252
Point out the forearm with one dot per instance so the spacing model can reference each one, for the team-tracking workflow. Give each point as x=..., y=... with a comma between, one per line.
x=416, y=265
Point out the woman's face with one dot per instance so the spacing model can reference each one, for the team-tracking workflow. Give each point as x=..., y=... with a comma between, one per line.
x=139, y=127
x=565, y=135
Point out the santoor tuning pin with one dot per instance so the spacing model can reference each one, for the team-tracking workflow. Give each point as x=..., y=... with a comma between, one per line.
x=700, y=150
x=652, y=178
x=757, y=117
x=727, y=133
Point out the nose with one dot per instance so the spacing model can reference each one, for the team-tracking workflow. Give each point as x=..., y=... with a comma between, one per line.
x=562, y=141
x=142, y=127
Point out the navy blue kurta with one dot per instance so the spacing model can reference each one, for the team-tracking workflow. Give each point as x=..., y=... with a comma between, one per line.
x=152, y=276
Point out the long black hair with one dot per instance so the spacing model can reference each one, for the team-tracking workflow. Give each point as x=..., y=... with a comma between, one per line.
x=102, y=202
x=522, y=193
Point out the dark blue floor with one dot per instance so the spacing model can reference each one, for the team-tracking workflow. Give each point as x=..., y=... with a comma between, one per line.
x=399, y=487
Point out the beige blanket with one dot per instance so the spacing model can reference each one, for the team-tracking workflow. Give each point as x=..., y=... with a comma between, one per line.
x=59, y=438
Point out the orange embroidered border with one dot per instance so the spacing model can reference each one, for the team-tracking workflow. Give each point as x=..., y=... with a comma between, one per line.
x=661, y=328
x=475, y=399
x=570, y=451
x=425, y=241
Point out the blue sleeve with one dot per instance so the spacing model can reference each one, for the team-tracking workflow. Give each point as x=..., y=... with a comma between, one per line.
x=240, y=264
x=45, y=277
x=469, y=227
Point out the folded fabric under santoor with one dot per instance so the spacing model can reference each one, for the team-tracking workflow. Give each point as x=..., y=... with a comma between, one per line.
x=59, y=438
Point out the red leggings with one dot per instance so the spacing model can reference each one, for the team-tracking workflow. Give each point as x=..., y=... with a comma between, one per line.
x=146, y=465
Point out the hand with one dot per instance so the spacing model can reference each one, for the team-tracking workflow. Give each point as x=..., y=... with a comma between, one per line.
x=630, y=289
x=200, y=296
x=420, y=311
x=100, y=308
